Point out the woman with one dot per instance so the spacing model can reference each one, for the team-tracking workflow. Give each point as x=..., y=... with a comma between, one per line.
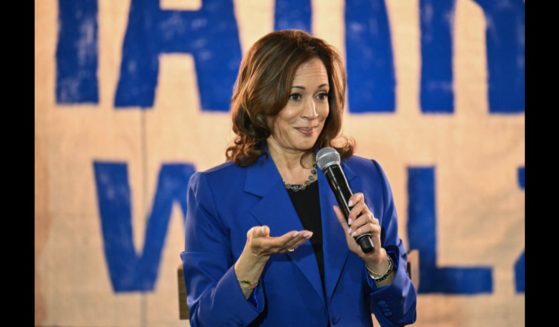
x=265, y=243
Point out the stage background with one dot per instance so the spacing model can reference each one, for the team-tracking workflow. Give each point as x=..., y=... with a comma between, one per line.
x=132, y=96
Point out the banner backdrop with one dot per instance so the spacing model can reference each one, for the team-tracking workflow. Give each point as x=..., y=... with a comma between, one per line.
x=132, y=97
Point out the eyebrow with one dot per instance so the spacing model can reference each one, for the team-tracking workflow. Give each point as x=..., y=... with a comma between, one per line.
x=303, y=88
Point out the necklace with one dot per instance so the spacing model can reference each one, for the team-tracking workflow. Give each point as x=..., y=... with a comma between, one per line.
x=299, y=187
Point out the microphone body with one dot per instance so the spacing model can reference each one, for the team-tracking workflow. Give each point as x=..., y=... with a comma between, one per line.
x=328, y=160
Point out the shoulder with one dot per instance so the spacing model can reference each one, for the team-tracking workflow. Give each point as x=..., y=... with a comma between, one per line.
x=361, y=164
x=366, y=169
x=371, y=180
x=225, y=169
x=226, y=172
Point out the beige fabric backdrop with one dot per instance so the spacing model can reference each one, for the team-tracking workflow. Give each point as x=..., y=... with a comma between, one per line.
x=479, y=204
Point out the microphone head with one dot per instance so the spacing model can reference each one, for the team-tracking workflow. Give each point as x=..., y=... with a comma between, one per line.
x=327, y=157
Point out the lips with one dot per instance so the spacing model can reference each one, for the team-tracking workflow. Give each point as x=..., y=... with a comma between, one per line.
x=307, y=131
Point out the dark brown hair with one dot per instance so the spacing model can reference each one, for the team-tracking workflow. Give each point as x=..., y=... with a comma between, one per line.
x=263, y=86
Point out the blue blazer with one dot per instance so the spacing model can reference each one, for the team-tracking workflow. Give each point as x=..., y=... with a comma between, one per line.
x=226, y=201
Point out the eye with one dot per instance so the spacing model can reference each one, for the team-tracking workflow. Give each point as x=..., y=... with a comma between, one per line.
x=322, y=96
x=295, y=96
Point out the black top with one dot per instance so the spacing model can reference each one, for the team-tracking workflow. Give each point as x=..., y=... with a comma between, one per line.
x=307, y=205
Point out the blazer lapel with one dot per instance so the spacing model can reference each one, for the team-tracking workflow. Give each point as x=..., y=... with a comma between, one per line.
x=276, y=210
x=334, y=242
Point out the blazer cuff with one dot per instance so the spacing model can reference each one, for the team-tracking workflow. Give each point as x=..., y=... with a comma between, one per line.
x=400, y=278
x=394, y=303
x=247, y=309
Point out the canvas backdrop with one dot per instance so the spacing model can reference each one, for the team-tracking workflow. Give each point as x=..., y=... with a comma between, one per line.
x=131, y=97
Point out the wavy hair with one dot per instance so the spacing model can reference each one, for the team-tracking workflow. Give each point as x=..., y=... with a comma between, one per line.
x=264, y=84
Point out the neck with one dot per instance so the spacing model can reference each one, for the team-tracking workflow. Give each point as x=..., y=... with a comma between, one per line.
x=288, y=158
x=294, y=166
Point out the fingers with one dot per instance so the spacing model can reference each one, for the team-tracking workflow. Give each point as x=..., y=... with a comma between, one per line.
x=364, y=224
x=357, y=204
x=359, y=214
x=355, y=198
x=360, y=221
x=263, y=244
x=295, y=242
x=258, y=231
x=290, y=241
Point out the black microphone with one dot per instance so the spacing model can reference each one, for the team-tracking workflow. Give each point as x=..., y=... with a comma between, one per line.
x=328, y=160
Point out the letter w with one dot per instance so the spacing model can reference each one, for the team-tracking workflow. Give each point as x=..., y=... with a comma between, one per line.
x=130, y=271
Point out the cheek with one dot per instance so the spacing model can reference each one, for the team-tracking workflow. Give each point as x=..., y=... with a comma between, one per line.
x=281, y=125
x=290, y=113
x=287, y=116
x=324, y=111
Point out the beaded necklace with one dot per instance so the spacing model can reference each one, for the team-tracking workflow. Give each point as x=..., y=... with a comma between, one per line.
x=299, y=187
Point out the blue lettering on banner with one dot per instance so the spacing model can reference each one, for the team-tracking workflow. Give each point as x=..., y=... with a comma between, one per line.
x=519, y=276
x=293, y=14
x=129, y=271
x=422, y=227
x=370, y=64
x=76, y=52
x=437, y=93
x=209, y=34
x=504, y=50
x=505, y=54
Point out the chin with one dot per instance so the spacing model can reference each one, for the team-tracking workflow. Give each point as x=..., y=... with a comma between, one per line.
x=305, y=146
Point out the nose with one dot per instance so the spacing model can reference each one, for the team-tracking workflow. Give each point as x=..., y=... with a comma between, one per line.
x=309, y=111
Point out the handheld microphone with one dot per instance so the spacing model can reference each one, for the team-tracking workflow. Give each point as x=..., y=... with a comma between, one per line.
x=328, y=160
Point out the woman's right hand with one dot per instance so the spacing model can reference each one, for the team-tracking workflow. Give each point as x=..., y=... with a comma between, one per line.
x=258, y=249
x=262, y=245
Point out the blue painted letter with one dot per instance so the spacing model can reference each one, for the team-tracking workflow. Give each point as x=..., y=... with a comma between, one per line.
x=422, y=227
x=293, y=14
x=505, y=54
x=129, y=271
x=210, y=35
x=519, y=275
x=437, y=95
x=76, y=52
x=370, y=66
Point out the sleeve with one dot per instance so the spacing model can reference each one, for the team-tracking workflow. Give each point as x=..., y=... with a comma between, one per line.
x=214, y=296
x=394, y=304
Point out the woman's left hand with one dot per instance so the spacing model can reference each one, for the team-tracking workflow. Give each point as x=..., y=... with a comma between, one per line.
x=361, y=220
